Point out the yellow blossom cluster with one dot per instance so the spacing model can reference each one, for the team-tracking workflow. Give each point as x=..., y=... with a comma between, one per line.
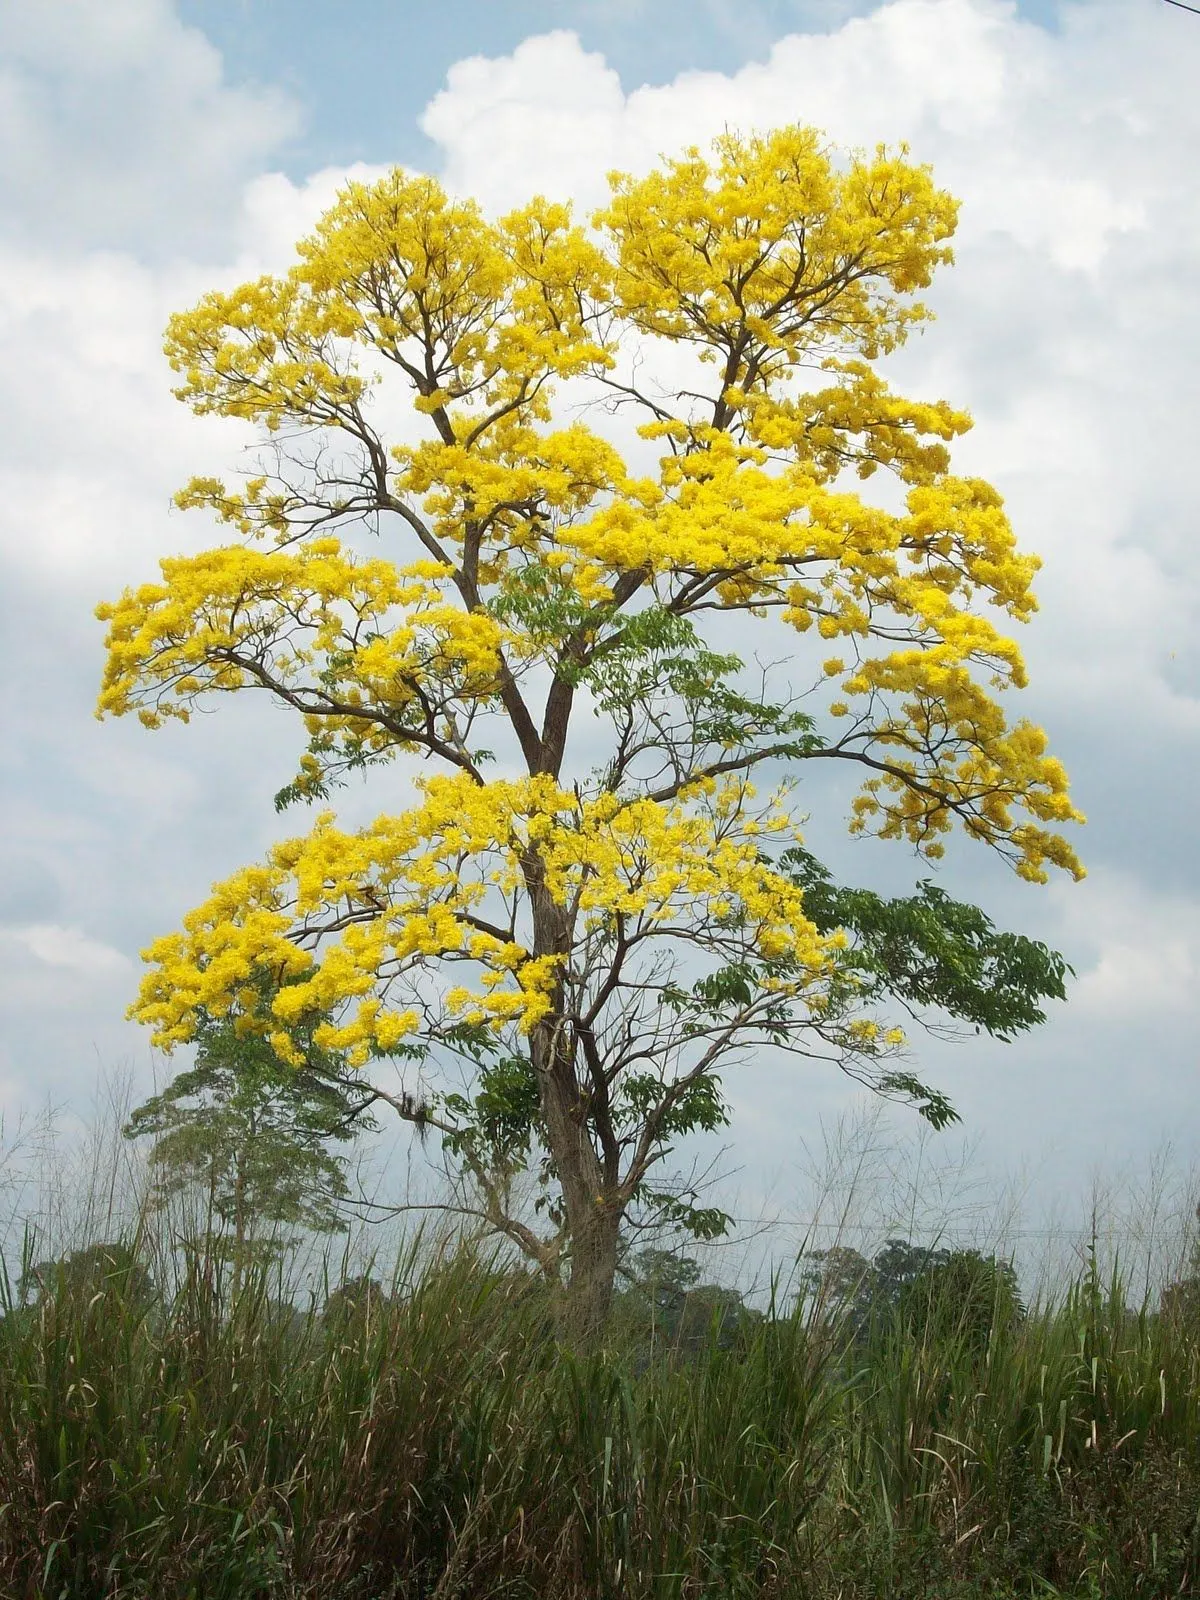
x=391, y=266
x=236, y=616
x=330, y=914
x=773, y=239
x=520, y=552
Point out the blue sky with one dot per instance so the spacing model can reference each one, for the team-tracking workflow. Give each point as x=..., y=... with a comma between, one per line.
x=363, y=83
x=163, y=148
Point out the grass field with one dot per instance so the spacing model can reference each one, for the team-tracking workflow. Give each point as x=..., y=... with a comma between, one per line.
x=435, y=1441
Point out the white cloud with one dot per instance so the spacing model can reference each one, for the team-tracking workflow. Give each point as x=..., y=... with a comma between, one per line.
x=95, y=443
x=1143, y=962
x=125, y=126
x=131, y=164
x=549, y=117
x=940, y=73
x=67, y=948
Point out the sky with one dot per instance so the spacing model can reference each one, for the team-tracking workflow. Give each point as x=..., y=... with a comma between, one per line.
x=159, y=148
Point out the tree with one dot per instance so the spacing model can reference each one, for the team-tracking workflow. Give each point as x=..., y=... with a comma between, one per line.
x=923, y=1291
x=666, y=1307
x=359, y=1299
x=249, y=1135
x=494, y=588
x=841, y=1282
x=111, y=1269
x=966, y=1297
x=1179, y=1302
x=899, y=1266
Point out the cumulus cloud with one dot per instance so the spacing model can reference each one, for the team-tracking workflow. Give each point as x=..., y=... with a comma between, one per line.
x=94, y=442
x=1144, y=951
x=68, y=948
x=127, y=130
x=946, y=75
x=60, y=1011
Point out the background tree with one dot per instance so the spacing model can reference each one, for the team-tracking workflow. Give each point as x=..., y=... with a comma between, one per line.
x=586, y=902
x=248, y=1138
x=665, y=1307
x=899, y=1265
x=967, y=1296
x=920, y=1290
x=1180, y=1299
x=111, y=1269
x=841, y=1283
x=358, y=1299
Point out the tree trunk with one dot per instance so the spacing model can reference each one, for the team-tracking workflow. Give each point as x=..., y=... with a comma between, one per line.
x=593, y=1214
x=593, y=1222
x=589, y=1293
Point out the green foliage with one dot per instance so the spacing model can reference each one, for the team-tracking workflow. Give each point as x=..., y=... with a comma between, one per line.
x=354, y=1299
x=1180, y=1301
x=681, y=1211
x=928, y=1102
x=699, y=1106
x=82, y=1275
x=248, y=1138
x=496, y=1125
x=914, y=1291
x=965, y=1295
x=666, y=1307
x=898, y=1266
x=932, y=952
x=658, y=659
x=840, y=1285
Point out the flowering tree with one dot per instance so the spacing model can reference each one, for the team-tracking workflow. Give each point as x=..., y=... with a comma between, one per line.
x=587, y=900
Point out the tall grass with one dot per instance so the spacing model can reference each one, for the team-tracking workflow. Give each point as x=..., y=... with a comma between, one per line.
x=437, y=1443
x=166, y=1433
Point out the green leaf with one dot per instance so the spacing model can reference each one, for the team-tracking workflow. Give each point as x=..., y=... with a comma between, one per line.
x=935, y=952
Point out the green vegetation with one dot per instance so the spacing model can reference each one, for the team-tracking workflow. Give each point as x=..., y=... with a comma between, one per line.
x=912, y=1431
x=248, y=1138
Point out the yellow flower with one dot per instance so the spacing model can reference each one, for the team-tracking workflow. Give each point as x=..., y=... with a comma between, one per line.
x=525, y=568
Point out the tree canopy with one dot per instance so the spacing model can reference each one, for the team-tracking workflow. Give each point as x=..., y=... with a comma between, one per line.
x=89, y=1274
x=249, y=1138
x=916, y=1290
x=523, y=484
